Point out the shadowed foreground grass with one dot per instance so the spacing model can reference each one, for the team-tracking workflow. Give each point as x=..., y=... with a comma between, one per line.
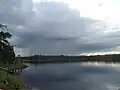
x=10, y=82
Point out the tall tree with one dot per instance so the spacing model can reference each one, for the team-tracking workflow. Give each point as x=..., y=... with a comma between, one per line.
x=7, y=54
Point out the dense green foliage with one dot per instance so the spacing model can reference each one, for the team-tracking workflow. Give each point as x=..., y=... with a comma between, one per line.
x=7, y=54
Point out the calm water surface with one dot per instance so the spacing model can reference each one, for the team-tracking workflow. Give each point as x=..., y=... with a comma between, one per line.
x=72, y=76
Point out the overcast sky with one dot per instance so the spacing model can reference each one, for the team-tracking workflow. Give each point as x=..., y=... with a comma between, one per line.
x=71, y=27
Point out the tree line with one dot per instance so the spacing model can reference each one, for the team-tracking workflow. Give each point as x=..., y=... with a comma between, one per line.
x=62, y=58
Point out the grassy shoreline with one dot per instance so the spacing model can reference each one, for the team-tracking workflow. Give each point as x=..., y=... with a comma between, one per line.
x=9, y=81
x=14, y=66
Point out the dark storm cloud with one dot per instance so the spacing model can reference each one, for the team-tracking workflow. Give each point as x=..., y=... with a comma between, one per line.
x=61, y=39
x=94, y=47
x=52, y=28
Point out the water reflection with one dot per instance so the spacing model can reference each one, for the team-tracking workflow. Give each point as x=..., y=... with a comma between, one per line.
x=72, y=76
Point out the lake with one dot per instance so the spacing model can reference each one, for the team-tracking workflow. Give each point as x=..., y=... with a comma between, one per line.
x=72, y=76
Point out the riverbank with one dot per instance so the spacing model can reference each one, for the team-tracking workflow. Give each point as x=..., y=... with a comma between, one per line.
x=11, y=81
x=14, y=66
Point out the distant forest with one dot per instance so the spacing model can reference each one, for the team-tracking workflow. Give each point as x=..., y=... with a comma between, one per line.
x=97, y=58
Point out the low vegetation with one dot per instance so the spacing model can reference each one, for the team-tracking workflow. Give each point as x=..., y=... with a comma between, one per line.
x=14, y=66
x=10, y=82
